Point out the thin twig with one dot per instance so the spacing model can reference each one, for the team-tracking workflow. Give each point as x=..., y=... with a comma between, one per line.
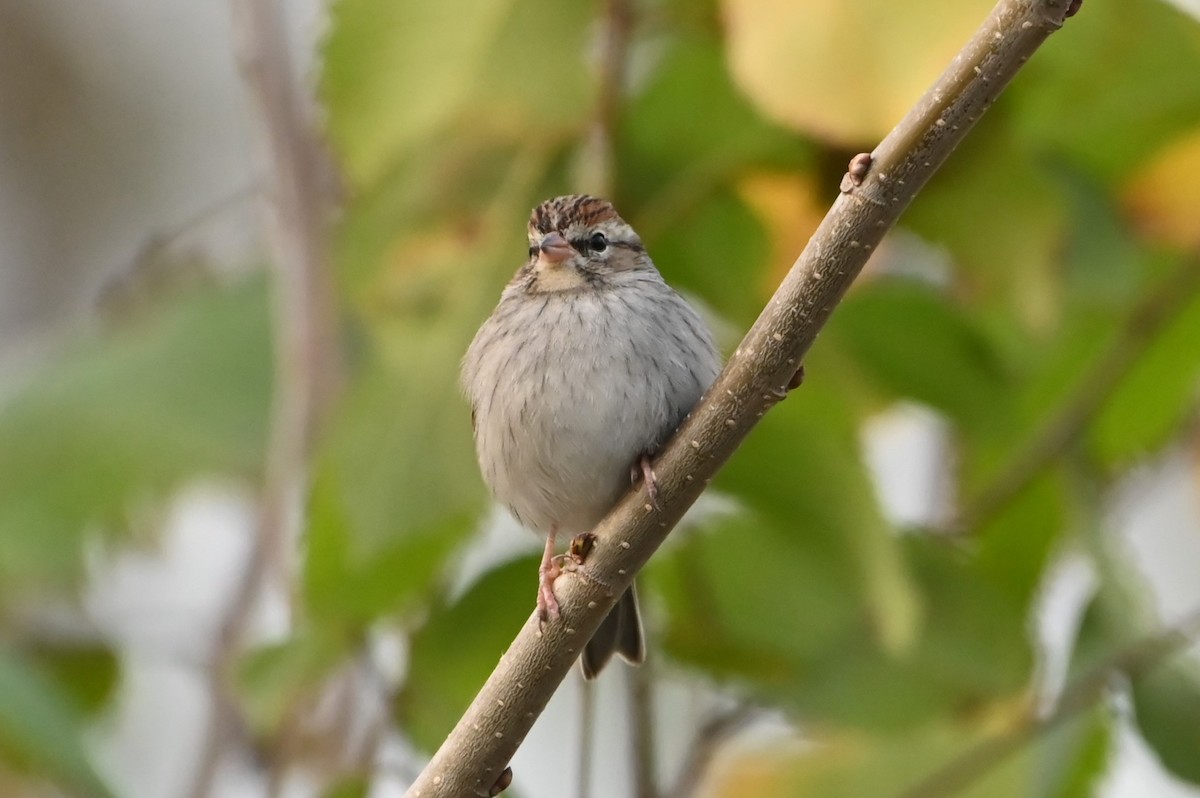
x=642, y=738
x=170, y=237
x=158, y=264
x=587, y=737
x=716, y=731
x=756, y=377
x=598, y=168
x=978, y=760
x=1146, y=320
x=306, y=353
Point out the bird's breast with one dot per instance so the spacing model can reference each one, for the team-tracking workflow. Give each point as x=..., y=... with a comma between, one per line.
x=575, y=389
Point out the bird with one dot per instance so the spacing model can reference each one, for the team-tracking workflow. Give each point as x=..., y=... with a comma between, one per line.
x=586, y=366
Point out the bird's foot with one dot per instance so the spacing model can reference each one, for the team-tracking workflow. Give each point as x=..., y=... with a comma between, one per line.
x=547, y=602
x=577, y=553
x=643, y=469
x=550, y=569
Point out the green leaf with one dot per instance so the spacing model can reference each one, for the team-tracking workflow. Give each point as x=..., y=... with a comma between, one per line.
x=40, y=728
x=127, y=415
x=716, y=249
x=86, y=672
x=944, y=758
x=1118, y=624
x=1157, y=395
x=1017, y=537
x=916, y=343
x=1166, y=706
x=1104, y=263
x=856, y=765
x=747, y=598
x=1016, y=544
x=396, y=485
x=431, y=214
x=1071, y=760
x=399, y=76
x=973, y=652
x=751, y=602
x=1068, y=106
x=670, y=161
x=352, y=787
x=679, y=180
x=976, y=643
x=801, y=468
x=1011, y=272
x=786, y=597
x=356, y=573
x=271, y=678
x=456, y=649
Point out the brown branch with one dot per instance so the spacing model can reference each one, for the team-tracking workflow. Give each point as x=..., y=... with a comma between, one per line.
x=755, y=379
x=307, y=368
x=598, y=167
x=1146, y=320
x=978, y=760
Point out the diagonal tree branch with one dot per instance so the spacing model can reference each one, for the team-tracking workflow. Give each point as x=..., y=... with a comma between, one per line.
x=874, y=194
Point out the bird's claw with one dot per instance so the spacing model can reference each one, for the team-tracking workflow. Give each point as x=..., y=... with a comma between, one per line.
x=547, y=602
x=548, y=571
x=645, y=470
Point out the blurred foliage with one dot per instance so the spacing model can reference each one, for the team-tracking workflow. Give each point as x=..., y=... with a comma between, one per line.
x=39, y=727
x=1019, y=268
x=447, y=665
x=1064, y=764
x=776, y=49
x=123, y=417
x=104, y=429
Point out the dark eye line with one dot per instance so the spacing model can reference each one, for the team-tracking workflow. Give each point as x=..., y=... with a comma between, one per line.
x=596, y=242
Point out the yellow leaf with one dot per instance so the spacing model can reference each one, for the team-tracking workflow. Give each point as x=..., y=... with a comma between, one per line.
x=789, y=207
x=843, y=71
x=1163, y=198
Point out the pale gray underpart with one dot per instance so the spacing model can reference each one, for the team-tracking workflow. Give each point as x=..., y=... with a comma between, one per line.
x=569, y=388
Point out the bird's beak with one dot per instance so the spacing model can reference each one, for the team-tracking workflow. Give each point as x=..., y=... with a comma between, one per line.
x=554, y=249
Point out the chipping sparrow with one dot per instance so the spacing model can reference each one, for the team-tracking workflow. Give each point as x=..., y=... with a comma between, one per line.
x=586, y=366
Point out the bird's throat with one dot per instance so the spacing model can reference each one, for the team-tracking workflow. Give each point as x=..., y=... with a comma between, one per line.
x=551, y=277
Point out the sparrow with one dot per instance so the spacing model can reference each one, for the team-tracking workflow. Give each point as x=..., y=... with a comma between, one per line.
x=587, y=365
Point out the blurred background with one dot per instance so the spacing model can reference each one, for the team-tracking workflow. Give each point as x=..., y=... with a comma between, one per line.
x=244, y=547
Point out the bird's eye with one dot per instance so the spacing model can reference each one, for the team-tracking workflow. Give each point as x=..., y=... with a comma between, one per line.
x=597, y=243
x=533, y=250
